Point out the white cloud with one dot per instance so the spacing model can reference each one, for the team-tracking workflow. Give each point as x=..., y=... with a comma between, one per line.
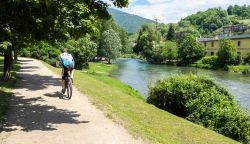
x=173, y=10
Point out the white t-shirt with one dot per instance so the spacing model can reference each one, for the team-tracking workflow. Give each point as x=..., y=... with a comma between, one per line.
x=66, y=56
x=66, y=59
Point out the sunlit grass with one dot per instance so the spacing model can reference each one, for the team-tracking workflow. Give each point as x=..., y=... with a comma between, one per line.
x=127, y=107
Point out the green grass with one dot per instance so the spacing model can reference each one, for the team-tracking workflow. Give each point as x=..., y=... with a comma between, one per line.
x=128, y=108
x=245, y=21
x=5, y=88
x=243, y=69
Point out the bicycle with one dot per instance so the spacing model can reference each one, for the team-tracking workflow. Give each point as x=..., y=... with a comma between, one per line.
x=68, y=85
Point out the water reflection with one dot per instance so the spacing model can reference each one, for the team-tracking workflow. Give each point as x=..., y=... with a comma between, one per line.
x=140, y=75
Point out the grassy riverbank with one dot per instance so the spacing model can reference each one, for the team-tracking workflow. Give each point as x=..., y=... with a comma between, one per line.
x=5, y=88
x=127, y=107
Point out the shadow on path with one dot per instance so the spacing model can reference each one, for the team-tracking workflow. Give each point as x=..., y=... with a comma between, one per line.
x=28, y=115
x=55, y=95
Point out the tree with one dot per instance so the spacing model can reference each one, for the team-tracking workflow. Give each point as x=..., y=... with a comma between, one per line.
x=147, y=38
x=190, y=50
x=123, y=35
x=230, y=10
x=83, y=50
x=48, y=20
x=110, y=44
x=227, y=54
x=171, y=33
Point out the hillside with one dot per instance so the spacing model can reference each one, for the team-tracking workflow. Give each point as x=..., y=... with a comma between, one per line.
x=131, y=23
x=210, y=22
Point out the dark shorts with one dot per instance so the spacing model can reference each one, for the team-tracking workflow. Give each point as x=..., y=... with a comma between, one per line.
x=67, y=70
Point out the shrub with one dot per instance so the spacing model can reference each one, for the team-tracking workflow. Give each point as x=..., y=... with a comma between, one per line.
x=247, y=59
x=244, y=69
x=211, y=60
x=202, y=101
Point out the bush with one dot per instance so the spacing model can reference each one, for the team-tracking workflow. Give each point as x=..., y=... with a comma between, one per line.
x=202, y=101
x=211, y=60
x=41, y=50
x=207, y=62
x=239, y=69
x=247, y=59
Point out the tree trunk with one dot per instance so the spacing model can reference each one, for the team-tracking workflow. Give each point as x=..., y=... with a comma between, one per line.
x=109, y=61
x=15, y=55
x=7, y=64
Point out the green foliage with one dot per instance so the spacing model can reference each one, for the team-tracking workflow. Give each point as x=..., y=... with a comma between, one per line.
x=110, y=44
x=241, y=11
x=247, y=59
x=239, y=69
x=202, y=101
x=207, y=62
x=148, y=38
x=131, y=23
x=83, y=50
x=190, y=50
x=171, y=33
x=208, y=21
x=211, y=60
x=105, y=25
x=227, y=54
x=163, y=52
x=43, y=51
x=230, y=10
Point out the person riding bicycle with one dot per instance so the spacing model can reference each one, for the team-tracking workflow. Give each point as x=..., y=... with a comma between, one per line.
x=68, y=64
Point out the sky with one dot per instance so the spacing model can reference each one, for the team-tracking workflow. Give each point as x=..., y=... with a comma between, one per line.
x=171, y=11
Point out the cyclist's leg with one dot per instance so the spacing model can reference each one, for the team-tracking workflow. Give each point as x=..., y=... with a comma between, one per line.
x=72, y=71
x=64, y=74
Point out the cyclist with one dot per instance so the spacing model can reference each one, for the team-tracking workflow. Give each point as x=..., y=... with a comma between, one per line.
x=68, y=63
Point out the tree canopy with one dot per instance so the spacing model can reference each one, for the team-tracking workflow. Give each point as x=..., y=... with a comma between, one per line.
x=23, y=21
x=190, y=50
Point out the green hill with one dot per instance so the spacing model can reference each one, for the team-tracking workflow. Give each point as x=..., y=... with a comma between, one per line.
x=130, y=22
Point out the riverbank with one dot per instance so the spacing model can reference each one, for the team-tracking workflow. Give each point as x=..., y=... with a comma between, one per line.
x=127, y=107
x=5, y=88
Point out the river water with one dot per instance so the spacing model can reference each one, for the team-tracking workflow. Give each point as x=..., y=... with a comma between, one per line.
x=139, y=75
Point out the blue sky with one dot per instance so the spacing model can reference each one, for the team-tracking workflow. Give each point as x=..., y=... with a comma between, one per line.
x=171, y=11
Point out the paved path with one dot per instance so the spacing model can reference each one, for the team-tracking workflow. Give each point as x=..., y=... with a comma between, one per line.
x=40, y=115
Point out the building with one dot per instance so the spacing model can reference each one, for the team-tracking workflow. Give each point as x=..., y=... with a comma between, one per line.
x=228, y=30
x=212, y=45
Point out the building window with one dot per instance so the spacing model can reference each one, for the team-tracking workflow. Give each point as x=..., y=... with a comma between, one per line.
x=212, y=53
x=212, y=44
x=205, y=44
x=238, y=43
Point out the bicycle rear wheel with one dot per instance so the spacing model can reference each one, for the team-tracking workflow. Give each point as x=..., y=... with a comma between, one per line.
x=69, y=89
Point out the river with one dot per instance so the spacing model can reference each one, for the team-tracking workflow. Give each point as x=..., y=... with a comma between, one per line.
x=139, y=75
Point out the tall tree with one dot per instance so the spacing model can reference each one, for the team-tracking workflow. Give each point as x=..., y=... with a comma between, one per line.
x=190, y=50
x=110, y=44
x=227, y=54
x=171, y=33
x=230, y=10
x=48, y=20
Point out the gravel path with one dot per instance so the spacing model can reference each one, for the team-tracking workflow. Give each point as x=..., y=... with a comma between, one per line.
x=40, y=115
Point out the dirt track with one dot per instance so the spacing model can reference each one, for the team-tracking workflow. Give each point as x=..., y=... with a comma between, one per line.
x=40, y=115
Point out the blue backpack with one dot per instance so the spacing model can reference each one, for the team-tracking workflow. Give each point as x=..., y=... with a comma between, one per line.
x=67, y=62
